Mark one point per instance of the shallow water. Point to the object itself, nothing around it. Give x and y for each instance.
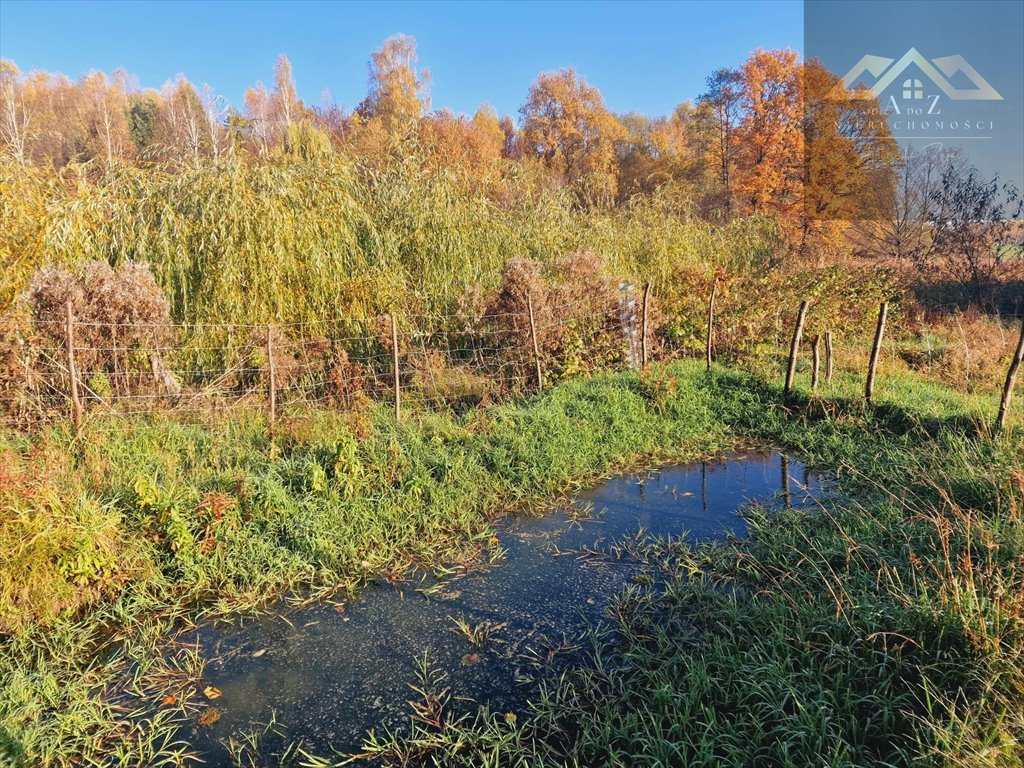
(329, 676)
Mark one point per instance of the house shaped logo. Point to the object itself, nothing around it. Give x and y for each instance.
(939, 71)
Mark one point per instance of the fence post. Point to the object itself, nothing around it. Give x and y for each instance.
(643, 327)
(1011, 375)
(76, 400)
(828, 356)
(533, 337)
(394, 354)
(869, 385)
(815, 360)
(271, 381)
(627, 321)
(711, 321)
(794, 346)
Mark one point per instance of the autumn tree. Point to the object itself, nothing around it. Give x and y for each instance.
(270, 113)
(60, 123)
(723, 98)
(455, 141)
(674, 149)
(567, 126)
(975, 223)
(768, 142)
(217, 111)
(636, 158)
(398, 89)
(183, 131)
(285, 105)
(849, 162)
(899, 229)
(15, 115)
(107, 103)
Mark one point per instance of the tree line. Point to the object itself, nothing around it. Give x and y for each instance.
(775, 138)
(765, 138)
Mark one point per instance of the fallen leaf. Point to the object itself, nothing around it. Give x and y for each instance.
(469, 659)
(170, 700)
(260, 652)
(208, 717)
(210, 692)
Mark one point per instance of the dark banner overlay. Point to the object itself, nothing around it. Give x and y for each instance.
(899, 79)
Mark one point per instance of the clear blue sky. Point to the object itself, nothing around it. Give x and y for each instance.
(646, 57)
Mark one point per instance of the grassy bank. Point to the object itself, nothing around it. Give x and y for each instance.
(153, 522)
(882, 629)
(886, 628)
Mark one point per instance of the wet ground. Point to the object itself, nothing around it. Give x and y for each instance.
(328, 675)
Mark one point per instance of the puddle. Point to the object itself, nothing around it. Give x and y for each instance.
(330, 677)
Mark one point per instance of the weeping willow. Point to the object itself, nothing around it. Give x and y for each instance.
(315, 238)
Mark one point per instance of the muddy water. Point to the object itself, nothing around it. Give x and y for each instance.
(329, 676)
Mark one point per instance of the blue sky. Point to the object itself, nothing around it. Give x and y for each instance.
(646, 57)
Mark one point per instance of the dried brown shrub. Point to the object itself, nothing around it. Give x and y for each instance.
(576, 309)
(968, 350)
(121, 317)
(121, 320)
(523, 284)
(347, 382)
(304, 368)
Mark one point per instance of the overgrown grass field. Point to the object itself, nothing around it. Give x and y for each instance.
(884, 629)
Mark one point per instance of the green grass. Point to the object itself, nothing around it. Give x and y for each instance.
(886, 628)
(855, 636)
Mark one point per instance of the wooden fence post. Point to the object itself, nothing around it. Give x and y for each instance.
(828, 356)
(394, 354)
(1011, 375)
(876, 347)
(643, 332)
(711, 321)
(533, 338)
(794, 346)
(815, 360)
(271, 381)
(76, 400)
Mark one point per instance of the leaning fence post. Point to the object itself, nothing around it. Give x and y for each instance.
(1011, 375)
(533, 337)
(711, 321)
(76, 400)
(869, 385)
(394, 355)
(828, 356)
(271, 381)
(643, 327)
(815, 360)
(794, 346)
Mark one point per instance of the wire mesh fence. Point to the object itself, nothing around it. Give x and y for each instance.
(79, 369)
